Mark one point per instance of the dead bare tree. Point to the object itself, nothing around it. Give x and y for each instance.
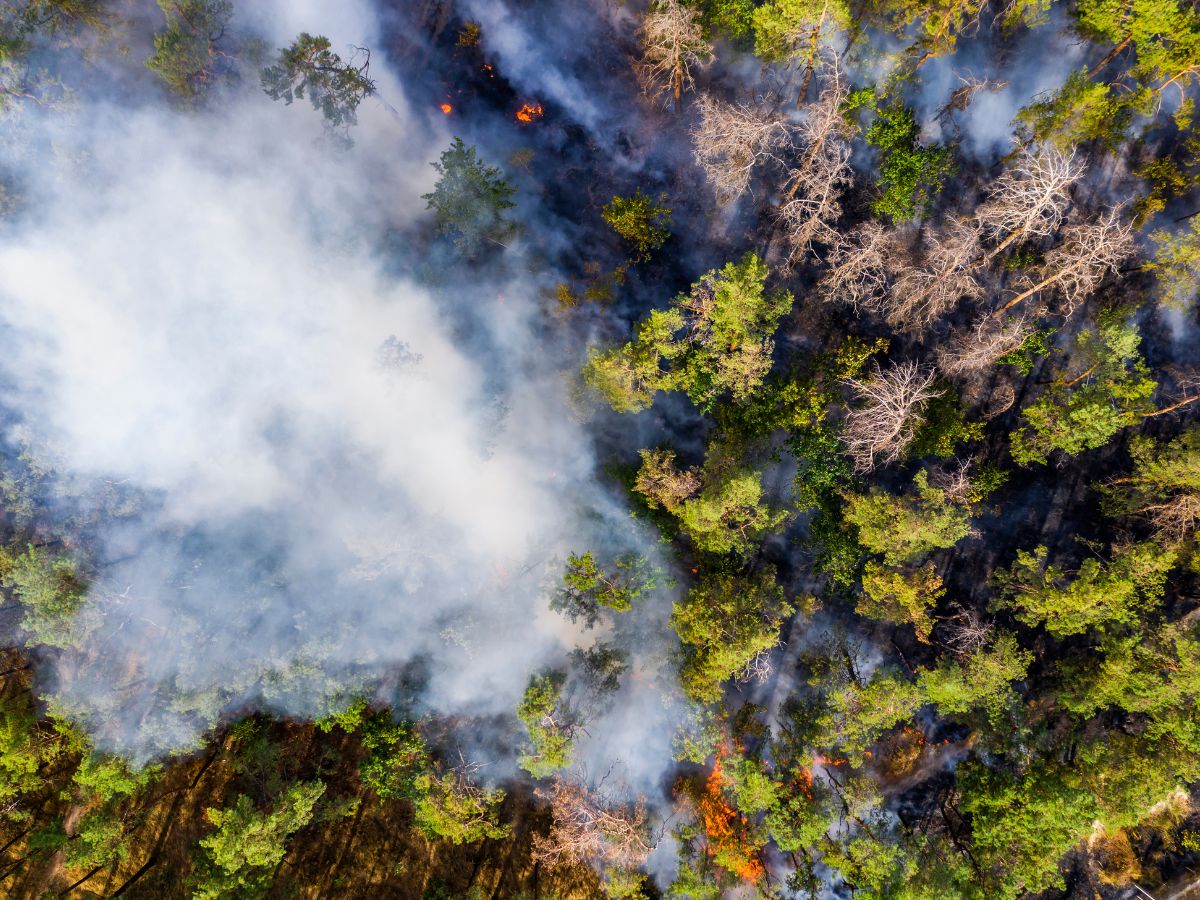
(973, 349)
(1001, 401)
(920, 295)
(1089, 252)
(812, 202)
(1030, 199)
(891, 408)
(859, 262)
(1175, 518)
(965, 630)
(731, 139)
(593, 826)
(672, 43)
(758, 668)
(960, 98)
(954, 480)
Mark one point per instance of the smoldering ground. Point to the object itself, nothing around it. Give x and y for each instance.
(329, 464)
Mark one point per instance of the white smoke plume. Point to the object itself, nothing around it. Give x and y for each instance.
(335, 468)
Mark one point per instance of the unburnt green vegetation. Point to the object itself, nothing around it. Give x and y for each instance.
(905, 426)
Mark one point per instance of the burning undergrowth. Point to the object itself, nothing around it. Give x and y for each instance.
(673, 385)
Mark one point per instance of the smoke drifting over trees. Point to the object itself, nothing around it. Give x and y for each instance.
(688, 448)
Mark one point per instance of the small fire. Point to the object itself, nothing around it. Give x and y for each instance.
(805, 782)
(447, 109)
(819, 760)
(725, 827)
(530, 112)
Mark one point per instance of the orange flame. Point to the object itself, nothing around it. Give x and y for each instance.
(805, 782)
(447, 109)
(724, 827)
(530, 112)
(819, 760)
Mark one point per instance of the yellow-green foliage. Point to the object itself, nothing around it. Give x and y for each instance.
(724, 622)
(1099, 595)
(901, 596)
(905, 528)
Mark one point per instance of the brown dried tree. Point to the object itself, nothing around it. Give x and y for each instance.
(964, 630)
(730, 140)
(812, 202)
(859, 263)
(1089, 252)
(920, 295)
(672, 43)
(595, 827)
(1030, 199)
(971, 350)
(891, 408)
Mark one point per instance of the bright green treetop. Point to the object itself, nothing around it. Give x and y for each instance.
(798, 30)
(720, 507)
(859, 714)
(1099, 595)
(901, 596)
(1164, 486)
(1176, 263)
(1021, 826)
(588, 587)
(642, 221)
(714, 342)
(551, 726)
(248, 842)
(905, 528)
(51, 592)
(449, 807)
(910, 174)
(981, 680)
(1084, 412)
(724, 622)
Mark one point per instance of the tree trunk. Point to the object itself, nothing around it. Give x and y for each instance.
(1045, 282)
(1004, 243)
(146, 867)
(1099, 67)
(1174, 406)
(81, 881)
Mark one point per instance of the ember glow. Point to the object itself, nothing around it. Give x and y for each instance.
(530, 112)
(447, 109)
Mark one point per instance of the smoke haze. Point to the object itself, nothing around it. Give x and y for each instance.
(331, 463)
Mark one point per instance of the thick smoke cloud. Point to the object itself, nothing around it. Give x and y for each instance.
(330, 468)
(1019, 71)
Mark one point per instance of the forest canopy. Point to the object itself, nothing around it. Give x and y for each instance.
(557, 448)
